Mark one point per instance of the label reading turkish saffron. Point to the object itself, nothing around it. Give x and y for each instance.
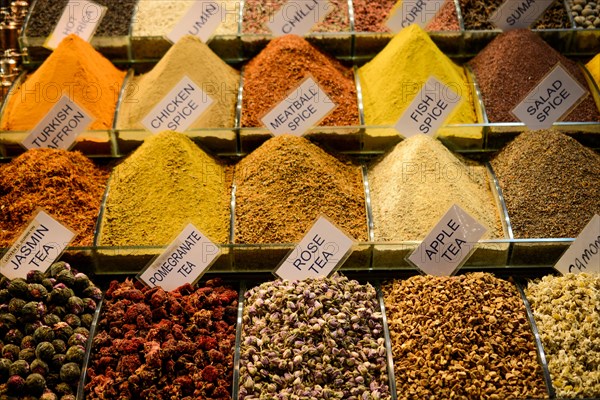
(519, 14)
(302, 109)
(201, 20)
(584, 253)
(60, 127)
(320, 251)
(179, 109)
(555, 95)
(39, 246)
(428, 111)
(449, 244)
(80, 17)
(410, 12)
(297, 17)
(185, 260)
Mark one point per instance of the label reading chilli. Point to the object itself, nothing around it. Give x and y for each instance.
(297, 17)
(80, 17)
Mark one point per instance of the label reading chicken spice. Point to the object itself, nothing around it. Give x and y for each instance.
(186, 259)
(519, 14)
(584, 254)
(449, 244)
(201, 20)
(320, 251)
(410, 12)
(80, 17)
(41, 243)
(297, 17)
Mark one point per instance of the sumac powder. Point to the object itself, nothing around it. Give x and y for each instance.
(477, 13)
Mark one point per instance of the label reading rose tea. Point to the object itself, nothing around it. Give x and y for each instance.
(297, 17)
(449, 244)
(80, 17)
(186, 259)
(320, 251)
(584, 254)
(519, 14)
(200, 20)
(39, 246)
(410, 12)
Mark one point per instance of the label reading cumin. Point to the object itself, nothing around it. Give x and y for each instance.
(419, 12)
(584, 253)
(80, 17)
(519, 14)
(201, 20)
(297, 17)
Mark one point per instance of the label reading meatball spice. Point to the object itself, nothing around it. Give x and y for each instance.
(449, 244)
(201, 20)
(519, 14)
(186, 259)
(410, 12)
(41, 243)
(179, 109)
(555, 95)
(297, 17)
(320, 251)
(584, 254)
(302, 109)
(80, 17)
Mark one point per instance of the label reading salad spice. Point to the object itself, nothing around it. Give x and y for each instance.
(555, 95)
(319, 252)
(186, 259)
(519, 14)
(428, 111)
(584, 254)
(179, 109)
(200, 20)
(80, 17)
(40, 245)
(302, 109)
(297, 17)
(410, 12)
(60, 127)
(449, 244)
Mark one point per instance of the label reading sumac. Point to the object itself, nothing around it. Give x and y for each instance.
(201, 20)
(419, 12)
(80, 17)
(519, 14)
(584, 254)
(297, 17)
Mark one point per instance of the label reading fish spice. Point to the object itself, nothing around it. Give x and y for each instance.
(519, 14)
(41, 243)
(449, 244)
(555, 95)
(410, 12)
(430, 108)
(185, 260)
(200, 20)
(297, 17)
(80, 17)
(584, 254)
(179, 109)
(60, 127)
(302, 109)
(320, 251)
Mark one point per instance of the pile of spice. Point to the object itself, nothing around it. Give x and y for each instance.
(476, 15)
(79, 71)
(45, 327)
(286, 184)
(165, 184)
(313, 339)
(550, 184)
(152, 344)
(461, 337)
(512, 64)
(282, 66)
(416, 182)
(65, 184)
(192, 58)
(586, 13)
(593, 66)
(567, 314)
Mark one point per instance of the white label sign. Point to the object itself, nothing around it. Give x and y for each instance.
(449, 243)
(60, 127)
(519, 14)
(297, 17)
(201, 20)
(80, 17)
(179, 109)
(184, 261)
(42, 242)
(302, 109)
(410, 12)
(428, 111)
(321, 250)
(584, 254)
(552, 98)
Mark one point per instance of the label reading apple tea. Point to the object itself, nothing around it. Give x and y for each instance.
(584, 254)
(410, 12)
(297, 17)
(519, 14)
(80, 17)
(201, 20)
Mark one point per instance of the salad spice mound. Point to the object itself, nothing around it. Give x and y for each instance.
(153, 344)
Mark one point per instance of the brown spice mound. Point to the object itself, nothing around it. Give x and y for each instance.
(477, 13)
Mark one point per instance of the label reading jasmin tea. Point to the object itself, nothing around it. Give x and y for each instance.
(519, 14)
(555, 95)
(428, 111)
(80, 17)
(584, 254)
(302, 109)
(201, 20)
(449, 244)
(321, 250)
(410, 12)
(179, 109)
(40, 245)
(184, 261)
(297, 17)
(60, 127)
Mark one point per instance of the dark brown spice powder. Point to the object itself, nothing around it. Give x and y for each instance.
(476, 15)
